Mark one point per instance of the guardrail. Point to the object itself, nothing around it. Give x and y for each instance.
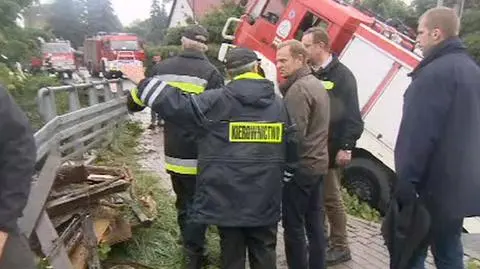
(65, 137)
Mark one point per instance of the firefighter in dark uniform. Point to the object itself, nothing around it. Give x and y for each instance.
(192, 73)
(246, 147)
(17, 162)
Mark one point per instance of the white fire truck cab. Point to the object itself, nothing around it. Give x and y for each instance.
(380, 58)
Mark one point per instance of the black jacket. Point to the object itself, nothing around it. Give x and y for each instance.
(17, 161)
(406, 232)
(246, 142)
(346, 124)
(193, 73)
(438, 144)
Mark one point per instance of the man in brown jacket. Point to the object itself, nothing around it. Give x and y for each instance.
(308, 103)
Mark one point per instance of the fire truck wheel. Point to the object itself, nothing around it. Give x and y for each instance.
(369, 181)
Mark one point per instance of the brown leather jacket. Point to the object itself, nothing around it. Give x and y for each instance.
(309, 106)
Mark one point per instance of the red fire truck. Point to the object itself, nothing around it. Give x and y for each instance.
(108, 53)
(381, 59)
(58, 57)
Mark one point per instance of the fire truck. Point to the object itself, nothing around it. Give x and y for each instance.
(58, 57)
(380, 58)
(108, 53)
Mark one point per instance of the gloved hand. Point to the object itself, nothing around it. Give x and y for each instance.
(405, 192)
(287, 176)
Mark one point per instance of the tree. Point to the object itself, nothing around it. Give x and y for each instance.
(9, 10)
(215, 20)
(158, 22)
(101, 17)
(66, 21)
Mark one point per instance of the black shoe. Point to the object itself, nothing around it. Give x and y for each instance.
(336, 256)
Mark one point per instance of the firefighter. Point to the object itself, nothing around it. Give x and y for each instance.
(346, 127)
(17, 161)
(246, 147)
(191, 72)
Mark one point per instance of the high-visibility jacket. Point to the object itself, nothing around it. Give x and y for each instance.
(246, 145)
(192, 73)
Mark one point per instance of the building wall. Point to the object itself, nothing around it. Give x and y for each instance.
(181, 11)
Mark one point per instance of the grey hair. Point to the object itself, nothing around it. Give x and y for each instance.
(242, 69)
(188, 43)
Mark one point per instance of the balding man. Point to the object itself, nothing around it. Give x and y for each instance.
(438, 147)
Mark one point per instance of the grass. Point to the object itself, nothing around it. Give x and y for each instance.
(155, 246)
(359, 209)
(473, 264)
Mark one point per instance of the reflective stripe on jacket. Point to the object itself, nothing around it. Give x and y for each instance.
(192, 73)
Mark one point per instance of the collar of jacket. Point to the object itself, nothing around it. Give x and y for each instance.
(190, 53)
(452, 45)
(248, 75)
(327, 68)
(302, 72)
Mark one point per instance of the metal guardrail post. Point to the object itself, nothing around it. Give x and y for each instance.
(73, 100)
(46, 104)
(74, 105)
(92, 96)
(107, 91)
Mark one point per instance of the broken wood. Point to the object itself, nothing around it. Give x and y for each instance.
(145, 220)
(86, 197)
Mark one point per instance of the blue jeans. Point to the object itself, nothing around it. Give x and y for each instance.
(446, 245)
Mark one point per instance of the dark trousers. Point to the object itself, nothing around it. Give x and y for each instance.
(445, 243)
(193, 234)
(303, 211)
(17, 254)
(260, 242)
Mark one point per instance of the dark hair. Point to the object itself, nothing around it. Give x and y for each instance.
(319, 35)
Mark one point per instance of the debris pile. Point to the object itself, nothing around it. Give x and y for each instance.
(90, 208)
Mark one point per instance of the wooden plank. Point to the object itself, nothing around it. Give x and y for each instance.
(47, 236)
(39, 194)
(85, 197)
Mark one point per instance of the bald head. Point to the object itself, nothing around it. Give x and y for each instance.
(435, 26)
(443, 18)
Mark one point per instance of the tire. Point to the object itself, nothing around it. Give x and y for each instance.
(369, 181)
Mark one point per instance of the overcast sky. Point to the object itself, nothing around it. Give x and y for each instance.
(129, 10)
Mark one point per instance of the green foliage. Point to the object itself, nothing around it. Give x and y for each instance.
(19, 45)
(473, 264)
(359, 209)
(173, 36)
(73, 19)
(101, 17)
(473, 43)
(9, 10)
(24, 91)
(67, 22)
(215, 19)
